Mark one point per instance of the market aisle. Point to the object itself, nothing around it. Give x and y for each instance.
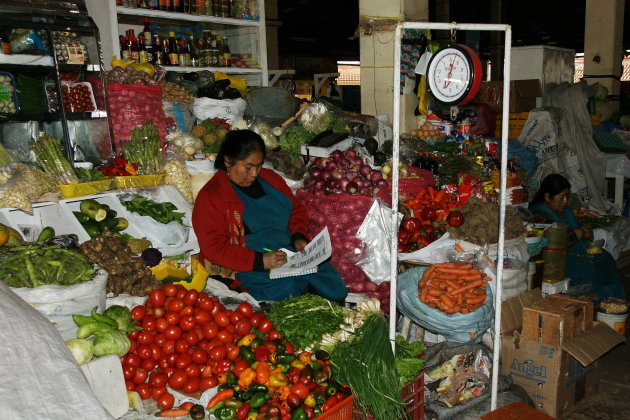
(612, 402)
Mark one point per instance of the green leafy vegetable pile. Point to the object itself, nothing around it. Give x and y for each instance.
(293, 137)
(162, 212)
(408, 364)
(597, 222)
(303, 320)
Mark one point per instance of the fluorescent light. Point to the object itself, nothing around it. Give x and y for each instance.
(349, 63)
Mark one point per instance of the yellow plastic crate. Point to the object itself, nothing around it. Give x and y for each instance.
(138, 181)
(85, 188)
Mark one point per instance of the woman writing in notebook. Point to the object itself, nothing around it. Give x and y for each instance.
(244, 211)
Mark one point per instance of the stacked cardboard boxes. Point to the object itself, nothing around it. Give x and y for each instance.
(550, 347)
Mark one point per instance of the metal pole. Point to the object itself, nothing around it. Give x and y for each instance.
(504, 150)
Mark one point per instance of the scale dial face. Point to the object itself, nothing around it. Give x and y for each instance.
(454, 75)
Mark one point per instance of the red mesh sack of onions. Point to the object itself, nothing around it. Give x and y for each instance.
(133, 105)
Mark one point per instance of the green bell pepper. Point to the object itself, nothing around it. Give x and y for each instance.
(258, 399)
(225, 413)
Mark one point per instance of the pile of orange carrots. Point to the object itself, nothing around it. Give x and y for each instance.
(453, 287)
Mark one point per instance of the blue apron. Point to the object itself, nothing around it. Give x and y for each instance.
(600, 270)
(267, 219)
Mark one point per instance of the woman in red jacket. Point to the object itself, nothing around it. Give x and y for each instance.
(245, 209)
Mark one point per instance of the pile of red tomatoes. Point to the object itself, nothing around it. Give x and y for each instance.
(189, 342)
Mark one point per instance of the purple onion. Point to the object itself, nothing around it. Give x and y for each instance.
(343, 183)
(343, 162)
(352, 187)
(338, 173)
(331, 165)
(376, 176)
(351, 154)
(320, 183)
(315, 171)
(326, 175)
(337, 191)
(381, 183)
(317, 191)
(365, 191)
(336, 155)
(332, 183)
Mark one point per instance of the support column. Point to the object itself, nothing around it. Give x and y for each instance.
(377, 26)
(272, 23)
(603, 47)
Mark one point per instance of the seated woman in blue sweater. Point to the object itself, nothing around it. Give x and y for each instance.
(600, 270)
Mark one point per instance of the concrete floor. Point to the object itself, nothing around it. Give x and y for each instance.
(613, 400)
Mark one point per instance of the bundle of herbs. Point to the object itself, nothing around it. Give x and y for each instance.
(144, 148)
(303, 320)
(366, 363)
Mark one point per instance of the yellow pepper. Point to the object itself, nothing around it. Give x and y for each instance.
(168, 268)
(246, 340)
(252, 415)
(297, 364)
(310, 400)
(247, 377)
(199, 273)
(305, 357)
(278, 379)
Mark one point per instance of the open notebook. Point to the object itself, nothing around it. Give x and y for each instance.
(300, 264)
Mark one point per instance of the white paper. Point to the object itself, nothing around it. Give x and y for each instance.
(316, 252)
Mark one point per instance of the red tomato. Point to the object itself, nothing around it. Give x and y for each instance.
(157, 391)
(172, 318)
(132, 359)
(129, 372)
(140, 376)
(239, 366)
(157, 297)
(209, 330)
(206, 304)
(187, 323)
(159, 312)
(162, 363)
(193, 370)
(208, 382)
(134, 334)
(187, 310)
(192, 385)
(145, 338)
(148, 364)
(218, 306)
(132, 345)
(166, 401)
(177, 380)
(170, 289)
(175, 305)
(168, 347)
(274, 335)
(232, 351)
(138, 312)
(144, 351)
(130, 385)
(170, 360)
(181, 346)
(222, 319)
(191, 297)
(265, 326)
(243, 327)
(158, 379)
(182, 361)
(257, 318)
(181, 292)
(235, 317)
(173, 332)
(149, 323)
(202, 315)
(191, 337)
(411, 224)
(160, 339)
(222, 366)
(245, 309)
(199, 356)
(161, 324)
(203, 295)
(225, 336)
(217, 352)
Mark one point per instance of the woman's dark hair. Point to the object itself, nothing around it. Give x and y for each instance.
(553, 184)
(238, 145)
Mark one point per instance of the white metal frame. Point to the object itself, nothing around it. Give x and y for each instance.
(507, 29)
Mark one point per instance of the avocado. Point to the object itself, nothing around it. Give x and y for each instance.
(93, 209)
(371, 145)
(108, 223)
(46, 233)
(111, 214)
(92, 228)
(121, 224)
(380, 158)
(81, 217)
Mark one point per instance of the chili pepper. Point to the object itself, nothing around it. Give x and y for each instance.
(330, 403)
(282, 392)
(258, 399)
(286, 416)
(299, 414)
(273, 413)
(271, 347)
(225, 413)
(257, 342)
(262, 372)
(293, 400)
(246, 340)
(220, 396)
(232, 402)
(242, 395)
(300, 390)
(246, 353)
(284, 358)
(197, 412)
(309, 412)
(305, 357)
(278, 379)
(230, 378)
(243, 412)
(247, 376)
(257, 387)
(309, 401)
(297, 364)
(216, 407)
(294, 374)
(321, 377)
(262, 353)
(281, 348)
(252, 415)
(318, 411)
(332, 388)
(288, 348)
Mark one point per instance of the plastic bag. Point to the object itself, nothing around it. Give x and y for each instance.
(316, 118)
(58, 303)
(376, 233)
(133, 105)
(461, 328)
(184, 144)
(176, 173)
(46, 382)
(181, 114)
(12, 193)
(229, 109)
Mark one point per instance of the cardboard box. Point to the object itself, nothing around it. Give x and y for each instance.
(515, 411)
(523, 94)
(556, 318)
(558, 376)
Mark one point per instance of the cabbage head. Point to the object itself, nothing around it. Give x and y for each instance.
(111, 342)
(122, 316)
(82, 349)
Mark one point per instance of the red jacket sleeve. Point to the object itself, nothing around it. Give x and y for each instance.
(298, 222)
(220, 232)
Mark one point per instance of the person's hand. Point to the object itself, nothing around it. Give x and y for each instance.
(274, 259)
(579, 233)
(300, 244)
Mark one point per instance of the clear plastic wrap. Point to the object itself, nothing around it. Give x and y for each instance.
(316, 118)
(8, 94)
(12, 193)
(184, 144)
(176, 173)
